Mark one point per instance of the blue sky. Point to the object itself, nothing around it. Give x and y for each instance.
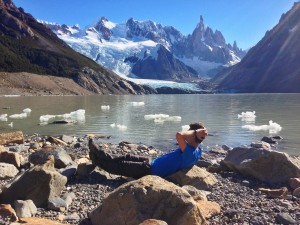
(243, 21)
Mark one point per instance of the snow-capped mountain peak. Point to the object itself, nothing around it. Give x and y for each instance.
(141, 48)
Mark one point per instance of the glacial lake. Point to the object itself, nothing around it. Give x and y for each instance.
(123, 117)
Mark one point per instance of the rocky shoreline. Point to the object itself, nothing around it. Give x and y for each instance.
(242, 199)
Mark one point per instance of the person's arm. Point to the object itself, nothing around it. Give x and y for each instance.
(188, 136)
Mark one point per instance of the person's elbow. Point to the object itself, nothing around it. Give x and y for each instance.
(178, 136)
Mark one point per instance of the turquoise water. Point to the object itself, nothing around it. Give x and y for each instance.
(219, 112)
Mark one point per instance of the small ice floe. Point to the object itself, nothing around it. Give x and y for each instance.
(22, 115)
(160, 118)
(3, 117)
(185, 127)
(273, 127)
(78, 116)
(247, 116)
(45, 118)
(119, 126)
(12, 95)
(11, 124)
(105, 107)
(18, 116)
(137, 103)
(27, 110)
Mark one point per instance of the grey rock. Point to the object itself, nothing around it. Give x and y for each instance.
(61, 157)
(19, 148)
(72, 217)
(77, 145)
(67, 139)
(101, 175)
(269, 140)
(153, 222)
(34, 145)
(195, 193)
(84, 169)
(266, 165)
(7, 171)
(57, 204)
(204, 163)
(68, 198)
(230, 213)
(218, 150)
(194, 176)
(226, 147)
(25, 209)
(285, 218)
(245, 183)
(261, 144)
(69, 171)
(38, 184)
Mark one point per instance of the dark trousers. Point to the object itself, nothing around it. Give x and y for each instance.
(125, 165)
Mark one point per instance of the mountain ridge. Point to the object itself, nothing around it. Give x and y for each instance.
(133, 38)
(272, 65)
(29, 46)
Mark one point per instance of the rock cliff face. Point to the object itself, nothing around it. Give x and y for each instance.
(28, 46)
(164, 67)
(273, 64)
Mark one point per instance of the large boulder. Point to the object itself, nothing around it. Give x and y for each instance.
(194, 176)
(38, 184)
(149, 197)
(266, 165)
(61, 158)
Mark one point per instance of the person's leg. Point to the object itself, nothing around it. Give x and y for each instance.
(97, 154)
(126, 168)
(119, 165)
(132, 158)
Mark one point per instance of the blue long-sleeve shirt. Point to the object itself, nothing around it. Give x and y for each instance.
(171, 162)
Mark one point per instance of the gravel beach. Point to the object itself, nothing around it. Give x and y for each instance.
(240, 201)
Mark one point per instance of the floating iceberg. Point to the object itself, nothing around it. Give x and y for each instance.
(160, 118)
(46, 118)
(22, 115)
(185, 127)
(119, 126)
(18, 116)
(78, 115)
(3, 117)
(247, 116)
(105, 107)
(273, 127)
(27, 110)
(137, 103)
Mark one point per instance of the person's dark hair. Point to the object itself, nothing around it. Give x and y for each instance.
(196, 126)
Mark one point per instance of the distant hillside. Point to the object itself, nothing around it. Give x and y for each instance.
(28, 46)
(273, 65)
